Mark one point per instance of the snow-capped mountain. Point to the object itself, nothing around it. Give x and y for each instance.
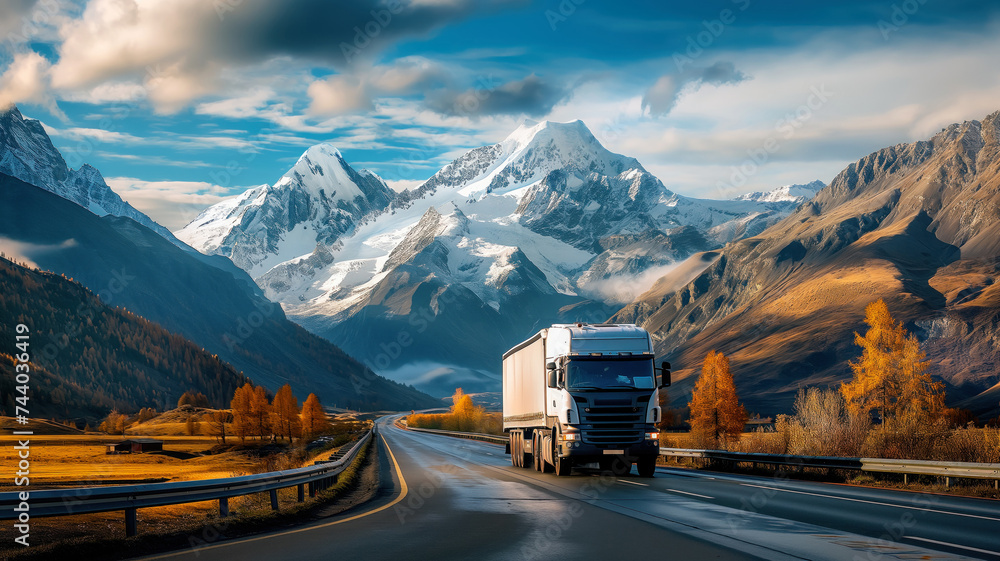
(27, 153)
(793, 194)
(315, 203)
(546, 225)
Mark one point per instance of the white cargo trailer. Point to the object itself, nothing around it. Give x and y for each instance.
(576, 394)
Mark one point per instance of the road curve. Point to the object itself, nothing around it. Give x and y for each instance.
(445, 498)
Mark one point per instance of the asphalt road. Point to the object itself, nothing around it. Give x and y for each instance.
(444, 498)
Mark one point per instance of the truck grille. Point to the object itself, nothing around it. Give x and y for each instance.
(613, 425)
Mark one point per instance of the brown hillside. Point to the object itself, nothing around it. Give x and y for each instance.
(916, 224)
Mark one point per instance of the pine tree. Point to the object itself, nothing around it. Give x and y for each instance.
(716, 413)
(890, 377)
(314, 419)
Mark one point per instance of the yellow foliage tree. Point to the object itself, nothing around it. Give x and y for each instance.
(468, 416)
(242, 411)
(260, 412)
(286, 413)
(716, 413)
(891, 375)
(314, 419)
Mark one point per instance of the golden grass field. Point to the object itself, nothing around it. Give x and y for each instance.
(80, 460)
(71, 459)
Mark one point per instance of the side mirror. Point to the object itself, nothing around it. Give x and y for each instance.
(550, 366)
(665, 374)
(552, 379)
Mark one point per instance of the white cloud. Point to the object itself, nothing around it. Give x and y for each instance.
(26, 81)
(249, 105)
(171, 203)
(338, 95)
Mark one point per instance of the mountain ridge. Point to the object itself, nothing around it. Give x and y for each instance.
(915, 223)
(546, 225)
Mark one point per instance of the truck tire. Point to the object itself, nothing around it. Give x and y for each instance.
(646, 466)
(536, 453)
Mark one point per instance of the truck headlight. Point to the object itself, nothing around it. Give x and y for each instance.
(571, 436)
(652, 436)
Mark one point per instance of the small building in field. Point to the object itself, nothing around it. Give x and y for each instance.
(136, 446)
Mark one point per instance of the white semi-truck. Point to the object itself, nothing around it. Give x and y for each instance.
(583, 394)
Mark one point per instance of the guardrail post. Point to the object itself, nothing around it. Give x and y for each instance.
(224, 507)
(274, 499)
(947, 481)
(302, 493)
(312, 489)
(130, 522)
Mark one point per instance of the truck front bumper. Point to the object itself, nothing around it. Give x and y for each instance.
(585, 452)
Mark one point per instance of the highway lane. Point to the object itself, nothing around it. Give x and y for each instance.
(444, 498)
(957, 524)
(459, 499)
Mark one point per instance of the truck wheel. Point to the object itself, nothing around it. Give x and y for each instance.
(646, 466)
(536, 453)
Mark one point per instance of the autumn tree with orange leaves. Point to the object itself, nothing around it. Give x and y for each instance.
(716, 413)
(242, 416)
(286, 413)
(890, 377)
(314, 419)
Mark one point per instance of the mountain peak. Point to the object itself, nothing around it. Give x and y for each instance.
(534, 132)
(322, 150)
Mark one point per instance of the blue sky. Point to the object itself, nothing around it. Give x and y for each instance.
(181, 103)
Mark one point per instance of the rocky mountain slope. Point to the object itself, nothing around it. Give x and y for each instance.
(27, 153)
(916, 224)
(315, 203)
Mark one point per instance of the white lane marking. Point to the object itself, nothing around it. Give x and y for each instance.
(976, 549)
(873, 502)
(692, 494)
(633, 482)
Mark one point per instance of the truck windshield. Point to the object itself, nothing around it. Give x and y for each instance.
(600, 373)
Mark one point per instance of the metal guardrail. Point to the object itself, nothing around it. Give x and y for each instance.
(129, 498)
(944, 469)
(491, 438)
(947, 470)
